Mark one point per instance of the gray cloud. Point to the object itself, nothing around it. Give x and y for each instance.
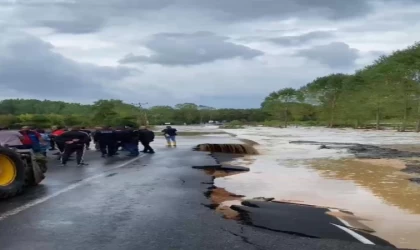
(301, 39)
(251, 9)
(79, 11)
(77, 26)
(190, 49)
(335, 54)
(28, 65)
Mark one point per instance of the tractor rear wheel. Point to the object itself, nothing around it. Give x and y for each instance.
(34, 173)
(12, 173)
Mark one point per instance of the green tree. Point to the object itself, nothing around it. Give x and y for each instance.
(188, 113)
(282, 100)
(326, 91)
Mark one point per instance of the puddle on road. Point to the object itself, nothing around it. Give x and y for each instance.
(381, 196)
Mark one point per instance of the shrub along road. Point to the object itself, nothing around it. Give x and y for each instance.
(153, 202)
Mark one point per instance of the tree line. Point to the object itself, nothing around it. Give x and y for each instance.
(385, 93)
(19, 112)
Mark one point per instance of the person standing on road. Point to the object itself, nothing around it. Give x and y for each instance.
(107, 140)
(31, 137)
(130, 140)
(57, 132)
(89, 133)
(44, 145)
(51, 136)
(74, 141)
(94, 140)
(170, 135)
(146, 136)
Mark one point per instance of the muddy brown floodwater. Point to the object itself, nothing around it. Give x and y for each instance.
(375, 190)
(387, 201)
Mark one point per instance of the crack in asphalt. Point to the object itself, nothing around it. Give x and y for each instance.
(244, 238)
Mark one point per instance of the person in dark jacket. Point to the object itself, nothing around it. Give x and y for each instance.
(57, 131)
(146, 136)
(107, 140)
(89, 133)
(130, 141)
(74, 141)
(121, 136)
(94, 138)
(170, 135)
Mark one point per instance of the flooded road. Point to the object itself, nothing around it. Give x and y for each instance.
(152, 202)
(378, 193)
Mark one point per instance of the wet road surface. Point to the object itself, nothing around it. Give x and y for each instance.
(153, 202)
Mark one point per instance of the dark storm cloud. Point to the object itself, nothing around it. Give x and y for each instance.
(191, 49)
(79, 11)
(335, 55)
(28, 65)
(301, 39)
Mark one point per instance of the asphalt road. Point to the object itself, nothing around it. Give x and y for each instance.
(152, 202)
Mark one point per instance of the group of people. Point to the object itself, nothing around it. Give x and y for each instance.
(26, 138)
(107, 140)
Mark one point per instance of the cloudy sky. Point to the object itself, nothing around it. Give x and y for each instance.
(220, 53)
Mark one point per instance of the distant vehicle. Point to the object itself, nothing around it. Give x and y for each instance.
(167, 123)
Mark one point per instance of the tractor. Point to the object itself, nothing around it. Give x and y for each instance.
(19, 169)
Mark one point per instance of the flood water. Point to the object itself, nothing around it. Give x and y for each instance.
(380, 195)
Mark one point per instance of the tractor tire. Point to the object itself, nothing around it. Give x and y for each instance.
(33, 175)
(42, 162)
(12, 173)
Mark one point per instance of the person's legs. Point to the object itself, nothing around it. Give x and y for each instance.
(103, 148)
(173, 139)
(168, 141)
(112, 148)
(80, 151)
(144, 147)
(136, 149)
(148, 148)
(132, 148)
(52, 143)
(68, 150)
(60, 147)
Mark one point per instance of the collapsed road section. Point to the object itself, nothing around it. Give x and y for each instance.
(296, 219)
